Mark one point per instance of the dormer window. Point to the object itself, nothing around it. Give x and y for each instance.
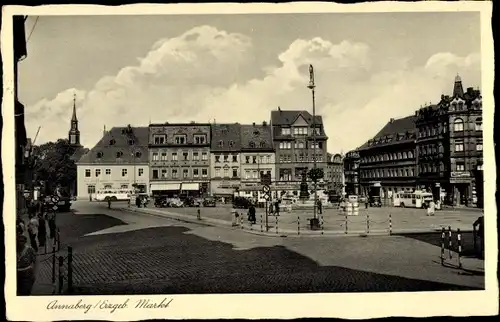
(99, 155)
(224, 131)
(221, 144)
(231, 144)
(131, 142)
(256, 132)
(138, 154)
(119, 154)
(252, 144)
(112, 142)
(262, 144)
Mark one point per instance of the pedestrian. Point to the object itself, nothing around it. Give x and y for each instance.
(251, 214)
(20, 226)
(42, 230)
(138, 201)
(277, 205)
(26, 266)
(51, 219)
(90, 197)
(271, 207)
(109, 203)
(33, 231)
(320, 207)
(431, 208)
(480, 233)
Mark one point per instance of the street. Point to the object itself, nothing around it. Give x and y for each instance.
(118, 252)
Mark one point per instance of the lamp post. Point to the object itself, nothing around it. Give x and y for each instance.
(312, 86)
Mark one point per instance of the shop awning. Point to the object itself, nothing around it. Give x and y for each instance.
(165, 186)
(190, 186)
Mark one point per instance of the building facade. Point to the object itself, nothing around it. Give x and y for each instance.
(257, 158)
(334, 175)
(179, 159)
(294, 145)
(225, 148)
(387, 161)
(118, 161)
(351, 173)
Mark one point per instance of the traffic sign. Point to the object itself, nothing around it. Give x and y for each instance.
(54, 208)
(55, 199)
(266, 189)
(265, 179)
(267, 196)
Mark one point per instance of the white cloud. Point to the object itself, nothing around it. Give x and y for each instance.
(198, 76)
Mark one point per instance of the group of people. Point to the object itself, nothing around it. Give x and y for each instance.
(27, 250)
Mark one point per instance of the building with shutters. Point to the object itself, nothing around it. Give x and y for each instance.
(293, 141)
(449, 147)
(225, 148)
(118, 161)
(179, 159)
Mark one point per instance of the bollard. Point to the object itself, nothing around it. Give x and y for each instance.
(298, 225)
(449, 242)
(198, 214)
(53, 264)
(61, 280)
(322, 225)
(459, 241)
(390, 224)
(367, 223)
(70, 269)
(276, 225)
(241, 221)
(58, 239)
(261, 224)
(442, 245)
(346, 224)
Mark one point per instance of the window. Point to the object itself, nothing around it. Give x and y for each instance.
(226, 158)
(247, 174)
(226, 172)
(285, 145)
(108, 172)
(247, 159)
(124, 186)
(261, 159)
(87, 173)
(124, 172)
(159, 139)
(285, 131)
(479, 146)
(459, 146)
(480, 167)
(138, 154)
(174, 156)
(318, 131)
(268, 159)
(204, 156)
(410, 154)
(163, 173)
(131, 142)
(196, 156)
(479, 124)
(217, 172)
(235, 172)
(300, 130)
(217, 158)
(140, 172)
(315, 145)
(252, 144)
(97, 172)
(255, 174)
(174, 173)
(185, 156)
(299, 145)
(200, 139)
(460, 167)
(204, 173)
(254, 159)
(231, 144)
(155, 156)
(262, 144)
(180, 139)
(458, 125)
(119, 154)
(164, 156)
(185, 173)
(196, 173)
(405, 155)
(235, 158)
(399, 155)
(99, 155)
(112, 142)
(155, 174)
(91, 189)
(221, 144)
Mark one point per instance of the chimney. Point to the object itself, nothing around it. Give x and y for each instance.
(391, 120)
(470, 90)
(264, 123)
(253, 123)
(279, 108)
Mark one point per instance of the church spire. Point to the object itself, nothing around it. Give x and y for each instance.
(74, 133)
(73, 118)
(458, 89)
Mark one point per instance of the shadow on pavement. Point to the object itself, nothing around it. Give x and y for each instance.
(165, 260)
(435, 239)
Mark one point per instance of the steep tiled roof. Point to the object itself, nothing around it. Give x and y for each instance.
(256, 137)
(79, 153)
(288, 117)
(131, 145)
(226, 137)
(395, 131)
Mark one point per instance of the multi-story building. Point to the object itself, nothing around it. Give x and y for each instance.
(179, 159)
(294, 145)
(257, 158)
(450, 146)
(334, 175)
(118, 161)
(351, 172)
(225, 159)
(387, 162)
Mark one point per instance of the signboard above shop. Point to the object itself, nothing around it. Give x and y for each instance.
(460, 174)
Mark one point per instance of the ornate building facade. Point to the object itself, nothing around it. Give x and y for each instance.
(179, 159)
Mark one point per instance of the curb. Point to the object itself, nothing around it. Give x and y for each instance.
(210, 222)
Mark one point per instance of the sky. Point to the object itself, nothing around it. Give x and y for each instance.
(369, 67)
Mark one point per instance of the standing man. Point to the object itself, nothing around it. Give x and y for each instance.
(33, 231)
(51, 218)
(277, 207)
(480, 233)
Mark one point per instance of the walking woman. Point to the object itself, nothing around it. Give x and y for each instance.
(26, 266)
(42, 229)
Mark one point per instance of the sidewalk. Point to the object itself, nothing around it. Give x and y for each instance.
(296, 225)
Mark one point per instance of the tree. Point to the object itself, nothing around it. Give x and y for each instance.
(316, 174)
(52, 163)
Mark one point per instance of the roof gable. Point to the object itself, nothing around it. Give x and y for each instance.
(300, 121)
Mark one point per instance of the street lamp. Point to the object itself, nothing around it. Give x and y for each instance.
(312, 86)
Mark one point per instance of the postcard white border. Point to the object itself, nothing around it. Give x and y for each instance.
(343, 305)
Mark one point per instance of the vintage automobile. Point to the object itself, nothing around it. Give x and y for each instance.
(375, 201)
(192, 202)
(209, 202)
(175, 203)
(242, 203)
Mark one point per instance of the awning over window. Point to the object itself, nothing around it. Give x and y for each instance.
(190, 186)
(165, 186)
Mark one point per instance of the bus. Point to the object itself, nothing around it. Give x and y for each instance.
(112, 194)
(417, 199)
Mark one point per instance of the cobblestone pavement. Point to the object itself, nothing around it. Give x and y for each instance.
(188, 258)
(371, 219)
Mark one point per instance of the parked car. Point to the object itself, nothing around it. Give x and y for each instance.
(375, 201)
(209, 202)
(161, 201)
(192, 202)
(242, 203)
(362, 199)
(175, 203)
